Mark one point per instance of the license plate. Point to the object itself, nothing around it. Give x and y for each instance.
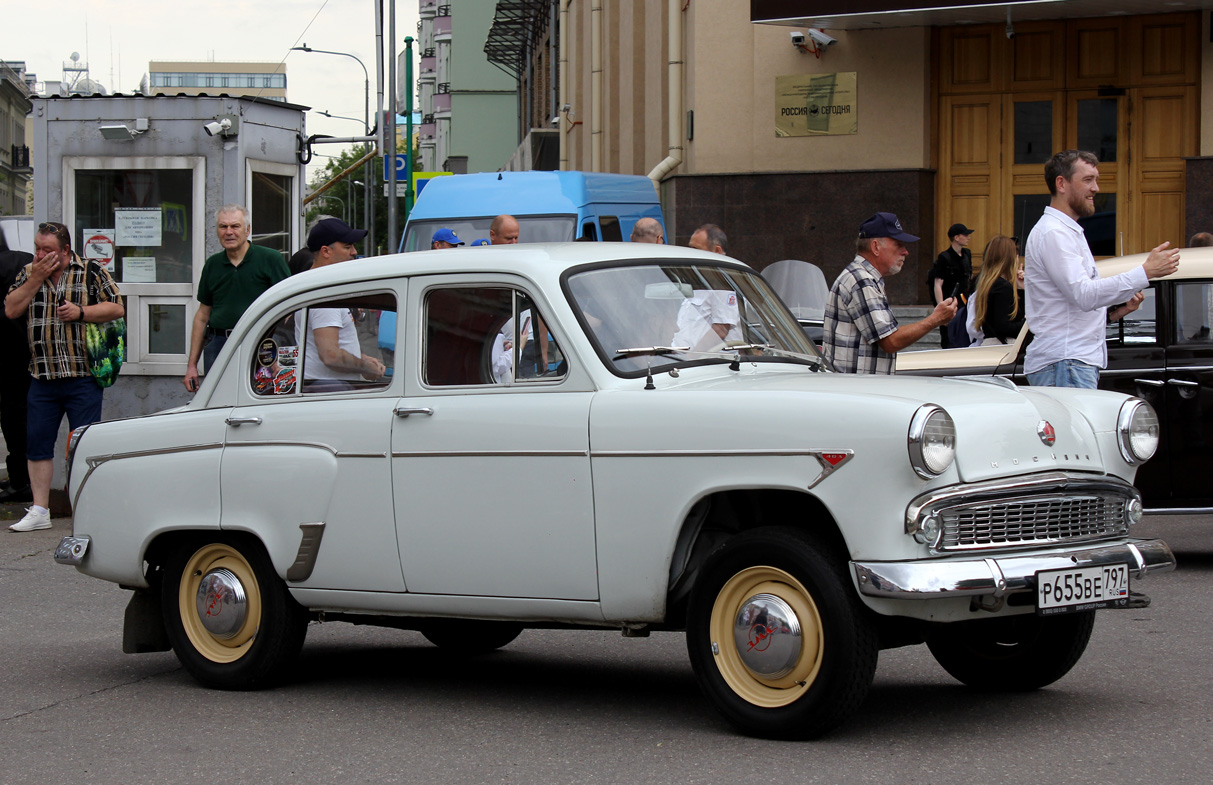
(1077, 589)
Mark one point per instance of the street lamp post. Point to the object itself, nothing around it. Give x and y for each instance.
(366, 112)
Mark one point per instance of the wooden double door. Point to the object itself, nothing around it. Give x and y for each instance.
(1123, 88)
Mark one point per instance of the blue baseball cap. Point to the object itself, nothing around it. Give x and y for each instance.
(885, 225)
(445, 235)
(479, 242)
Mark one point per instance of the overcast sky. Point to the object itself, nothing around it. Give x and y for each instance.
(117, 39)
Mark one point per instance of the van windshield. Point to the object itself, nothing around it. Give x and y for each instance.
(531, 229)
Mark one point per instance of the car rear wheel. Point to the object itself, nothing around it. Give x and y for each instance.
(1017, 653)
(777, 638)
(470, 637)
(229, 617)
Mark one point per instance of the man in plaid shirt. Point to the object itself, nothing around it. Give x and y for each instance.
(861, 333)
(53, 293)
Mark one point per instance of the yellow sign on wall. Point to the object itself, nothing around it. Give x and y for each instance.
(816, 104)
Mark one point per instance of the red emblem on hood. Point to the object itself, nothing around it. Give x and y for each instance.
(1046, 432)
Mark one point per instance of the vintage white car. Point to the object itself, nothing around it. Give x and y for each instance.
(608, 435)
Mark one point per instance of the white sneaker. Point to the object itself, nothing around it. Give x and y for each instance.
(33, 521)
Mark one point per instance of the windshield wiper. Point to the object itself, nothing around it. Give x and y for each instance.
(652, 351)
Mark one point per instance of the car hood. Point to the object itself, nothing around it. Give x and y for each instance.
(998, 425)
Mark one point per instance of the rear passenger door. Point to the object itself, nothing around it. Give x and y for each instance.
(1188, 417)
(490, 447)
(1137, 365)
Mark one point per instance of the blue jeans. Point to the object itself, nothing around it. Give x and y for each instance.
(79, 398)
(211, 350)
(1066, 373)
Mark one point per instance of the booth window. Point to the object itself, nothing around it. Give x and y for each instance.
(139, 218)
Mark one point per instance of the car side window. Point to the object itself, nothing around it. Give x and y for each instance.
(344, 344)
(1138, 328)
(487, 336)
(1193, 312)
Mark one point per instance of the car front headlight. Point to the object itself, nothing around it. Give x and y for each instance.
(932, 441)
(1138, 429)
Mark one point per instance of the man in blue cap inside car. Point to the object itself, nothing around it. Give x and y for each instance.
(445, 238)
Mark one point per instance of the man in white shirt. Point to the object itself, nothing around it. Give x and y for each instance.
(1066, 300)
(331, 347)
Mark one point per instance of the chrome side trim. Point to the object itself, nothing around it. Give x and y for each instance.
(493, 454)
(1178, 510)
(284, 443)
(940, 578)
(309, 549)
(94, 461)
(709, 453)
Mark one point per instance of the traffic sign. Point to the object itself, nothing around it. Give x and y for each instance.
(401, 166)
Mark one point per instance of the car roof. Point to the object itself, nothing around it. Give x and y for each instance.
(529, 260)
(1193, 263)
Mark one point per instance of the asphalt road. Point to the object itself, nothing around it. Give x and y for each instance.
(377, 705)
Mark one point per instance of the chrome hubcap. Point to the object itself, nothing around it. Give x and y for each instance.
(767, 633)
(221, 603)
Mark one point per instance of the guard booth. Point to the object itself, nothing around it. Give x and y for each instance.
(139, 179)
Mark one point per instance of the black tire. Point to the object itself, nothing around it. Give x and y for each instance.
(268, 635)
(1013, 654)
(470, 637)
(834, 657)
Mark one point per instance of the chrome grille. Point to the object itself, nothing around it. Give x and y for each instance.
(1031, 521)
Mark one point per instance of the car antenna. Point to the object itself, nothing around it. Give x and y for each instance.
(648, 382)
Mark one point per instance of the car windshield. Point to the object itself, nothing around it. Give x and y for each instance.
(653, 316)
(531, 229)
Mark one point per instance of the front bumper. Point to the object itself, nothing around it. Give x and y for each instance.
(998, 576)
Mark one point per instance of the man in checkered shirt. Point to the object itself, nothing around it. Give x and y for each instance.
(58, 295)
(861, 333)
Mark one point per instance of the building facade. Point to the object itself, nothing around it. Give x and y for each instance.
(207, 77)
(15, 168)
(941, 116)
(469, 108)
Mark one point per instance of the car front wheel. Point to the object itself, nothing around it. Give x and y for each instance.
(1016, 653)
(778, 641)
(230, 618)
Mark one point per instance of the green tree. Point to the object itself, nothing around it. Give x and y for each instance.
(348, 201)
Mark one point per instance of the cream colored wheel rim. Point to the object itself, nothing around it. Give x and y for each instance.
(205, 560)
(733, 596)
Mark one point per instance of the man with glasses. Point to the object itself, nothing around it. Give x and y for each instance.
(231, 280)
(58, 294)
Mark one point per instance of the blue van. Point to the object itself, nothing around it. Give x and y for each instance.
(549, 206)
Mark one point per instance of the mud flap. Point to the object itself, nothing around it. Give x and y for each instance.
(143, 625)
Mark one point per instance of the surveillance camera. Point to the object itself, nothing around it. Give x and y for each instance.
(556, 120)
(797, 38)
(221, 125)
(820, 38)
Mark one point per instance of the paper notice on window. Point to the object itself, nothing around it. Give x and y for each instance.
(139, 269)
(138, 226)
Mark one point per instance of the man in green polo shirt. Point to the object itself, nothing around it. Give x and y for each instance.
(231, 280)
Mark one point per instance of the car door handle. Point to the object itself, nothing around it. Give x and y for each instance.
(405, 411)
(238, 421)
(1182, 383)
(1150, 382)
